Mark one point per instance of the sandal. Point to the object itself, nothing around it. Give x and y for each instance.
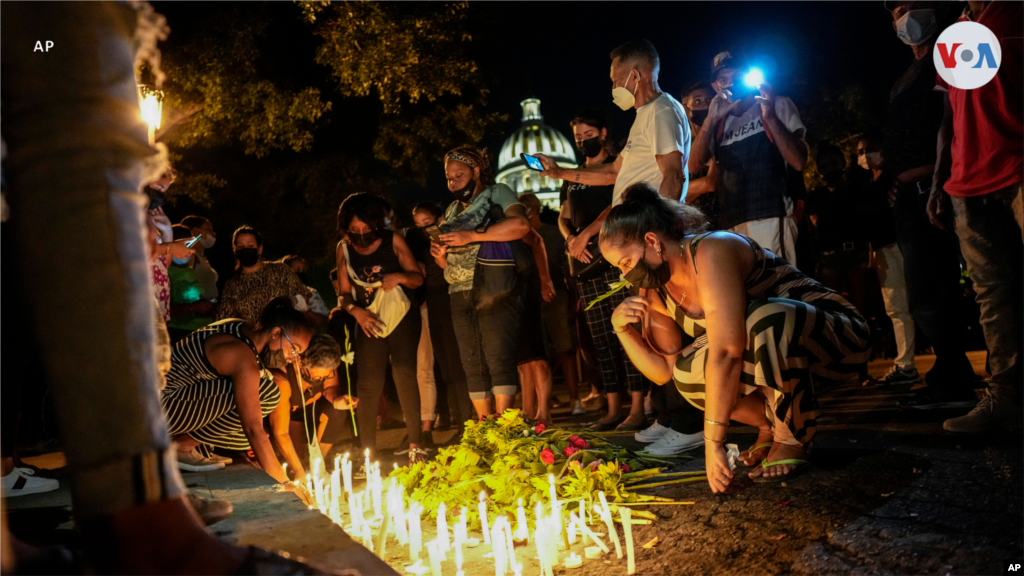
(605, 426)
(417, 455)
(800, 466)
(750, 452)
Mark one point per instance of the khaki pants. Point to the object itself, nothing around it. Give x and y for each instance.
(889, 265)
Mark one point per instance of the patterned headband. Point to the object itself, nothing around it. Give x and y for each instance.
(456, 155)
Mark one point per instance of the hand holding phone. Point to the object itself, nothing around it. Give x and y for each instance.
(192, 242)
(435, 234)
(532, 162)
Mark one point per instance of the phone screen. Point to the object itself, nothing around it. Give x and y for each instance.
(533, 162)
(192, 242)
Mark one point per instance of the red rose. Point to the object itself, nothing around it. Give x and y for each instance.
(580, 443)
(573, 438)
(539, 428)
(570, 450)
(547, 456)
(624, 467)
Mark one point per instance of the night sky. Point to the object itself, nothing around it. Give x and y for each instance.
(558, 52)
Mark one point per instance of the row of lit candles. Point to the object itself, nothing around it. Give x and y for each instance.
(550, 532)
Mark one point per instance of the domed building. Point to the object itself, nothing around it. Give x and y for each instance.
(532, 137)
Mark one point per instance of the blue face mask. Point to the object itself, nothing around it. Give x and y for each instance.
(180, 261)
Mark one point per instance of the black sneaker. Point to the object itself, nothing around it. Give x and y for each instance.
(932, 399)
(895, 377)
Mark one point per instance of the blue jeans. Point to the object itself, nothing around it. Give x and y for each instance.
(932, 269)
(488, 342)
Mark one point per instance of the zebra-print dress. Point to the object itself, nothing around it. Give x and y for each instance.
(800, 335)
(200, 402)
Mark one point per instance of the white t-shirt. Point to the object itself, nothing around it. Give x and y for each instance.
(660, 128)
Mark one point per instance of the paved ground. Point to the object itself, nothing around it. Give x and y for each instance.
(890, 493)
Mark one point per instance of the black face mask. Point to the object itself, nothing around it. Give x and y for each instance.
(699, 116)
(644, 275)
(273, 358)
(362, 240)
(156, 198)
(464, 194)
(591, 147)
(247, 256)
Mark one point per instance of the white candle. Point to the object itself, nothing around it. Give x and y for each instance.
(597, 540)
(460, 539)
(522, 531)
(552, 543)
(573, 519)
(367, 537)
(382, 536)
(606, 515)
(553, 494)
(398, 516)
(433, 548)
(573, 561)
(483, 518)
(346, 471)
(377, 486)
(498, 548)
(627, 527)
(583, 513)
(512, 562)
(335, 511)
(366, 464)
(464, 524)
(415, 536)
(442, 528)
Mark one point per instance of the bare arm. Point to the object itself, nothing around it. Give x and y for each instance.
(565, 220)
(939, 207)
(280, 419)
(654, 366)
(410, 277)
(673, 181)
(793, 149)
(514, 226)
(234, 359)
(540, 256)
(599, 175)
(703, 185)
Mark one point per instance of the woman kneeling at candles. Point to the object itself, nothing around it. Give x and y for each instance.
(220, 388)
(762, 335)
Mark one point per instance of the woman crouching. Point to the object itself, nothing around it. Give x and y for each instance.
(762, 336)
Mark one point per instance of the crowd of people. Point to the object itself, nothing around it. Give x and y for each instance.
(691, 280)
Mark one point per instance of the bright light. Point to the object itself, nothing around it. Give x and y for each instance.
(151, 108)
(753, 77)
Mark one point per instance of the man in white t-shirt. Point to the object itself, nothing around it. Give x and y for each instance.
(659, 141)
(757, 141)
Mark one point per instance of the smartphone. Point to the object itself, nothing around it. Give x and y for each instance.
(435, 235)
(533, 162)
(192, 242)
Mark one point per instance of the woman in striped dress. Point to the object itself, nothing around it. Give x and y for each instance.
(219, 388)
(763, 334)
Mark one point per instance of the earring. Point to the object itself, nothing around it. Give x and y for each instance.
(658, 250)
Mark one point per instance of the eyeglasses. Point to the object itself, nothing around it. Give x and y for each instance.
(295, 349)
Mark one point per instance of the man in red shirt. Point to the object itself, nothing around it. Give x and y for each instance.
(978, 180)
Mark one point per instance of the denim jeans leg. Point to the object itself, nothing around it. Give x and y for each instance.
(990, 231)
(478, 379)
(499, 337)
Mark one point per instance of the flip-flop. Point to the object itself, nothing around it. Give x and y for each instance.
(631, 427)
(801, 465)
(750, 451)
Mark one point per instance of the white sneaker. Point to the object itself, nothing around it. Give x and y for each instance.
(218, 458)
(196, 462)
(652, 433)
(22, 481)
(672, 443)
(577, 408)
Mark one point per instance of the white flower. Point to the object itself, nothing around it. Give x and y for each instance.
(348, 358)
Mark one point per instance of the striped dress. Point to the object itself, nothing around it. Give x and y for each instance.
(200, 402)
(800, 336)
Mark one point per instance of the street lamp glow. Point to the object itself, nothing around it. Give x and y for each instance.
(753, 77)
(151, 108)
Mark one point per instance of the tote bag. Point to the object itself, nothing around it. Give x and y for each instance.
(389, 305)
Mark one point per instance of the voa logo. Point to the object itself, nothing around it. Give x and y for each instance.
(967, 55)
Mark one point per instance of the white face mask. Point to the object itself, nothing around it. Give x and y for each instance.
(916, 26)
(870, 161)
(207, 241)
(622, 97)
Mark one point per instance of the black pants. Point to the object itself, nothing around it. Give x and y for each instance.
(932, 268)
(338, 421)
(446, 353)
(674, 411)
(372, 356)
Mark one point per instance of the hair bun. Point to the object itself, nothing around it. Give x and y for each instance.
(640, 193)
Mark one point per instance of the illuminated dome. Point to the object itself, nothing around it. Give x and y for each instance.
(532, 137)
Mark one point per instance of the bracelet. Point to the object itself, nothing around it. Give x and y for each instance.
(716, 423)
(706, 439)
